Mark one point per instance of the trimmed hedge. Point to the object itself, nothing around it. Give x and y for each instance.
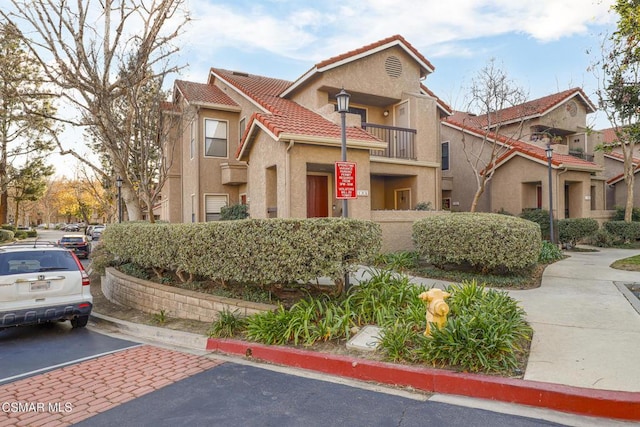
(540, 217)
(6, 235)
(625, 231)
(572, 230)
(485, 241)
(250, 251)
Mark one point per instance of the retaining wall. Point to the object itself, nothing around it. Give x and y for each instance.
(153, 297)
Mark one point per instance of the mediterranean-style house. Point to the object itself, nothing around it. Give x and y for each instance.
(614, 171)
(272, 144)
(521, 135)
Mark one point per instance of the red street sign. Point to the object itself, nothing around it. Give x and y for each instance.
(345, 180)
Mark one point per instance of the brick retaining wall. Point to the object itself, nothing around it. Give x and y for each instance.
(153, 297)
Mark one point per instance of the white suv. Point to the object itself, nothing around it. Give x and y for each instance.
(41, 282)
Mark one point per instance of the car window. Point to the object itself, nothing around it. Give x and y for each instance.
(36, 261)
(72, 240)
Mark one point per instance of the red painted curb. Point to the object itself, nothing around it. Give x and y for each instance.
(583, 401)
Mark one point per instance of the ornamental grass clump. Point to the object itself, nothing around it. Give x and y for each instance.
(486, 331)
(485, 242)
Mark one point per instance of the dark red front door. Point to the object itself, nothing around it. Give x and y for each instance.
(317, 196)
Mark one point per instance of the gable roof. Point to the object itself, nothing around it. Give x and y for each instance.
(283, 118)
(353, 55)
(441, 104)
(204, 94)
(517, 147)
(535, 108)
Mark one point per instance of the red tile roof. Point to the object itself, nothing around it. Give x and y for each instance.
(283, 115)
(443, 105)
(609, 135)
(201, 93)
(535, 108)
(515, 146)
(393, 40)
(335, 61)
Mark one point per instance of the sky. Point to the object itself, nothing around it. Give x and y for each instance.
(542, 45)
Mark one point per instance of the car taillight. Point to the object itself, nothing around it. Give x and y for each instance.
(85, 279)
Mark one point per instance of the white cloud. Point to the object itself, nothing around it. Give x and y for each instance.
(312, 31)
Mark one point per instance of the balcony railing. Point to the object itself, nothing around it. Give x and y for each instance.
(581, 155)
(400, 141)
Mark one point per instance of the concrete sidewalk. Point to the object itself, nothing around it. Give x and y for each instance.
(586, 331)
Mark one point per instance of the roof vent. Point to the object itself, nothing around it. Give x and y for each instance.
(393, 66)
(240, 73)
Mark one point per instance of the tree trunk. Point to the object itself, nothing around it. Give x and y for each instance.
(476, 197)
(131, 203)
(628, 210)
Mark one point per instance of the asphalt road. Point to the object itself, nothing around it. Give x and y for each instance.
(31, 350)
(240, 395)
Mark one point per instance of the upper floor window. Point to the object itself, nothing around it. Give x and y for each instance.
(243, 125)
(215, 138)
(445, 156)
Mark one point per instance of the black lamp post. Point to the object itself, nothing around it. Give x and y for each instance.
(119, 185)
(549, 152)
(343, 108)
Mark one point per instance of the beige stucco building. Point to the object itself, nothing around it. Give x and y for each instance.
(520, 136)
(272, 144)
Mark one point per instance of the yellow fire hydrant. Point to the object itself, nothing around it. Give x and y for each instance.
(437, 308)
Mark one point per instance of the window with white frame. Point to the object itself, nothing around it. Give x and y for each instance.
(215, 138)
(213, 205)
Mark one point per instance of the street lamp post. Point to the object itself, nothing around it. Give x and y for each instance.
(549, 152)
(343, 108)
(119, 185)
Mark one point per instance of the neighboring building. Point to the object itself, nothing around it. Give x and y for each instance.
(520, 180)
(614, 171)
(272, 143)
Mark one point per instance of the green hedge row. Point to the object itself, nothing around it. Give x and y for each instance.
(624, 231)
(572, 230)
(485, 241)
(254, 251)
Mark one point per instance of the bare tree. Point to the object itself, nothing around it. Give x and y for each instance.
(619, 89)
(102, 55)
(492, 93)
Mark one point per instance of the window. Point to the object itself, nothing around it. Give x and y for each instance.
(213, 205)
(243, 124)
(446, 204)
(215, 138)
(445, 156)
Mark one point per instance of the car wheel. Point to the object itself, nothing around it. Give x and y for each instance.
(79, 321)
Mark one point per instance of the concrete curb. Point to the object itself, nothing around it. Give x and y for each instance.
(620, 405)
(162, 335)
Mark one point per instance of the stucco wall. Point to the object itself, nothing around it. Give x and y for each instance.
(152, 297)
(397, 227)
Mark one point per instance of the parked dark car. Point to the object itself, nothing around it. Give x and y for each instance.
(71, 227)
(78, 243)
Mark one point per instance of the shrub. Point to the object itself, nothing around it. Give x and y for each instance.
(486, 331)
(625, 231)
(603, 239)
(540, 217)
(485, 241)
(549, 253)
(572, 230)
(20, 234)
(250, 251)
(398, 261)
(232, 212)
(424, 206)
(619, 215)
(6, 235)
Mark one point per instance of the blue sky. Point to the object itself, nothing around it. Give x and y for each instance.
(541, 44)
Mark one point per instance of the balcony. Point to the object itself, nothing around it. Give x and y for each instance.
(233, 174)
(400, 141)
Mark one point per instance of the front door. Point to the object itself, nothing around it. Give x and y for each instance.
(317, 196)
